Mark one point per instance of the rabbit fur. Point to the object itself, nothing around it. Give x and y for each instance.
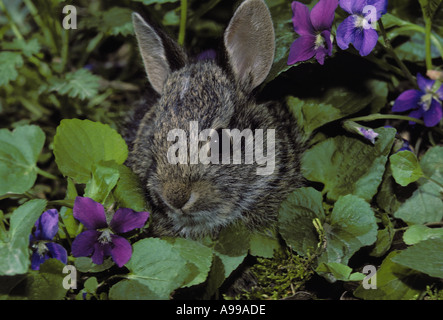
(196, 200)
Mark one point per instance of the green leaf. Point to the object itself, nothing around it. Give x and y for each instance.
(9, 63)
(129, 192)
(115, 21)
(71, 224)
(104, 179)
(45, 284)
(80, 84)
(81, 144)
(196, 254)
(425, 256)
(424, 206)
(352, 226)
(384, 237)
(85, 265)
(432, 161)
(335, 103)
(15, 252)
(156, 265)
(233, 240)
(91, 284)
(349, 165)
(284, 37)
(405, 168)
(394, 282)
(295, 220)
(339, 272)
(19, 151)
(429, 7)
(418, 232)
(132, 290)
(28, 48)
(263, 244)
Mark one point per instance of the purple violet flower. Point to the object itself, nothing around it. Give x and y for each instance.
(209, 54)
(46, 227)
(100, 239)
(314, 29)
(359, 27)
(425, 103)
(405, 146)
(368, 134)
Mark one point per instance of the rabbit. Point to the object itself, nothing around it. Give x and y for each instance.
(194, 200)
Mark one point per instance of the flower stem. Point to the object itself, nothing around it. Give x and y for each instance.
(46, 174)
(391, 51)
(428, 25)
(63, 203)
(379, 116)
(183, 16)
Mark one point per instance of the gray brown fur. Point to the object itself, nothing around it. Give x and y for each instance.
(194, 200)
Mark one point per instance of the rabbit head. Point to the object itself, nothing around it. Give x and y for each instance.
(193, 198)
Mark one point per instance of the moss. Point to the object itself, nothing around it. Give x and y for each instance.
(280, 277)
(434, 293)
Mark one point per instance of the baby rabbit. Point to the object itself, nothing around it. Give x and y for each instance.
(195, 199)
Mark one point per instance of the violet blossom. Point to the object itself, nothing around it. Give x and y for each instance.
(100, 239)
(425, 103)
(43, 248)
(314, 28)
(369, 134)
(359, 27)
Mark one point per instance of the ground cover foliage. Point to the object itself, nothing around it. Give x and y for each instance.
(374, 179)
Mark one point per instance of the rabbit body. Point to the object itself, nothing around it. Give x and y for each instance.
(198, 199)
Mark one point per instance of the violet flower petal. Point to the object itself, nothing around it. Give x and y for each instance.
(433, 116)
(323, 13)
(100, 251)
(83, 244)
(126, 219)
(37, 260)
(57, 251)
(346, 32)
(407, 100)
(302, 49)
(439, 93)
(121, 251)
(326, 34)
(47, 225)
(301, 19)
(353, 6)
(365, 41)
(90, 213)
(424, 84)
(380, 5)
(416, 114)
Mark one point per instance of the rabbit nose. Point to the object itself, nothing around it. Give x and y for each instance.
(176, 194)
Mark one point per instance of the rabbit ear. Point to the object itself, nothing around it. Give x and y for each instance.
(250, 43)
(160, 54)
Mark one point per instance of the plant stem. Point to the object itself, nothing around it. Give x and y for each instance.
(46, 174)
(379, 116)
(391, 51)
(65, 230)
(183, 16)
(428, 25)
(14, 28)
(63, 203)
